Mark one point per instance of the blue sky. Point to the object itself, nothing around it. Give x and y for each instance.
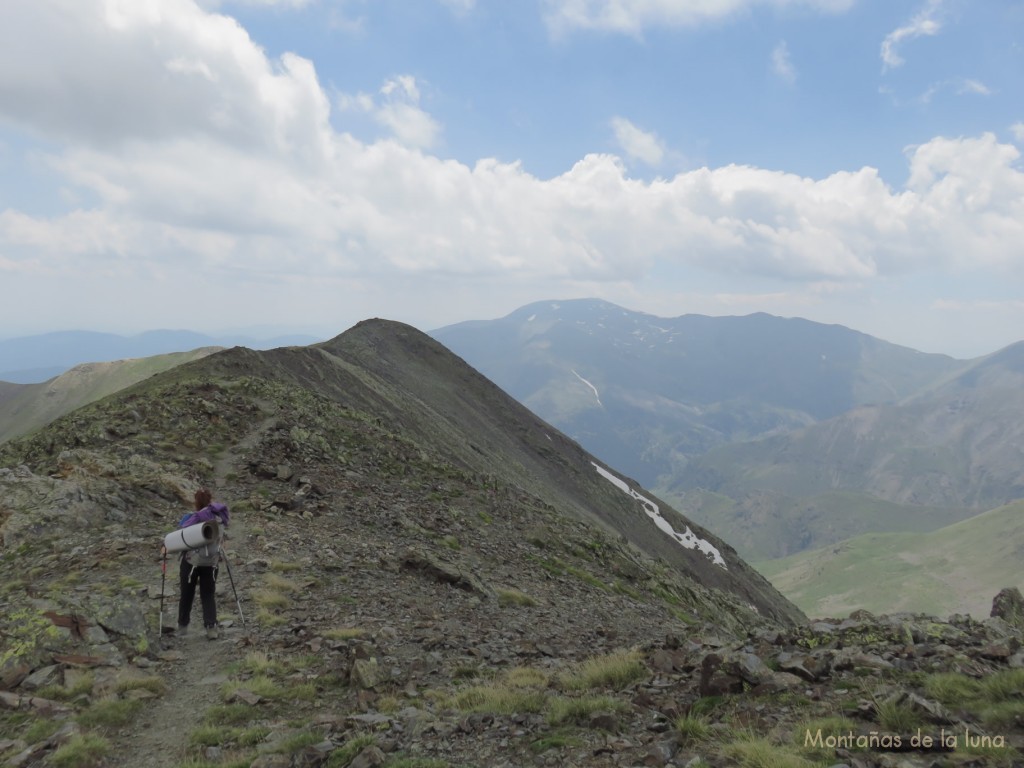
(304, 164)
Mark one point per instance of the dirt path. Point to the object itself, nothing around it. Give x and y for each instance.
(193, 668)
(193, 685)
(228, 461)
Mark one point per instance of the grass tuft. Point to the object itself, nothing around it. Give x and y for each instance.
(268, 598)
(756, 752)
(693, 728)
(951, 688)
(896, 717)
(499, 699)
(82, 750)
(266, 618)
(344, 633)
(280, 583)
(514, 597)
(1003, 686)
(153, 684)
(230, 714)
(346, 753)
(108, 713)
(562, 709)
(616, 671)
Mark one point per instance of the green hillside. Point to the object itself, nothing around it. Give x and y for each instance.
(956, 569)
(27, 407)
(765, 525)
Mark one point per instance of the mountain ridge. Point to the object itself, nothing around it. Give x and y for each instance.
(417, 594)
(38, 358)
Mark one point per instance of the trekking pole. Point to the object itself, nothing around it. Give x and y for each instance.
(232, 580)
(163, 578)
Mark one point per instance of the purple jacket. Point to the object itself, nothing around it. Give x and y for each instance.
(214, 511)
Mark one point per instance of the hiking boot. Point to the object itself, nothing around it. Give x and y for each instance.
(212, 633)
(182, 630)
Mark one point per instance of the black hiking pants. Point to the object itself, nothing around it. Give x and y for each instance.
(206, 577)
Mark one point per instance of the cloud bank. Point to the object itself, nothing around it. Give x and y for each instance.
(195, 150)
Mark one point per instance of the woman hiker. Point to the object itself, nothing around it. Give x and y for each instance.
(199, 566)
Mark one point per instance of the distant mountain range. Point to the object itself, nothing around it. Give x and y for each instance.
(33, 359)
(779, 434)
(649, 393)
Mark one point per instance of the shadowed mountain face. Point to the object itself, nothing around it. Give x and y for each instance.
(944, 454)
(647, 393)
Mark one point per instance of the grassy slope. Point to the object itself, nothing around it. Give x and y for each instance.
(766, 526)
(956, 569)
(34, 405)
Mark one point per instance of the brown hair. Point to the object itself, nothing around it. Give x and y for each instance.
(203, 498)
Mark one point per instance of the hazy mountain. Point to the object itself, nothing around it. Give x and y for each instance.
(647, 393)
(948, 452)
(33, 359)
(25, 407)
(951, 570)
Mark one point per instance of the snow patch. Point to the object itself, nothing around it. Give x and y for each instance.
(596, 394)
(531, 318)
(689, 539)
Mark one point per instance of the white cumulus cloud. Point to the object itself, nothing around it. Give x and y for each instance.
(397, 108)
(637, 143)
(218, 159)
(924, 23)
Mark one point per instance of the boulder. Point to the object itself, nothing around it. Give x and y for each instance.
(1008, 605)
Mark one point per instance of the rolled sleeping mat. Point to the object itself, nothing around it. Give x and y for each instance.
(193, 537)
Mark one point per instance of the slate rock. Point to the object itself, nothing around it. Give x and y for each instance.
(365, 673)
(1008, 605)
(371, 757)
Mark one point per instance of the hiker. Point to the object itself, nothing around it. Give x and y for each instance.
(199, 566)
